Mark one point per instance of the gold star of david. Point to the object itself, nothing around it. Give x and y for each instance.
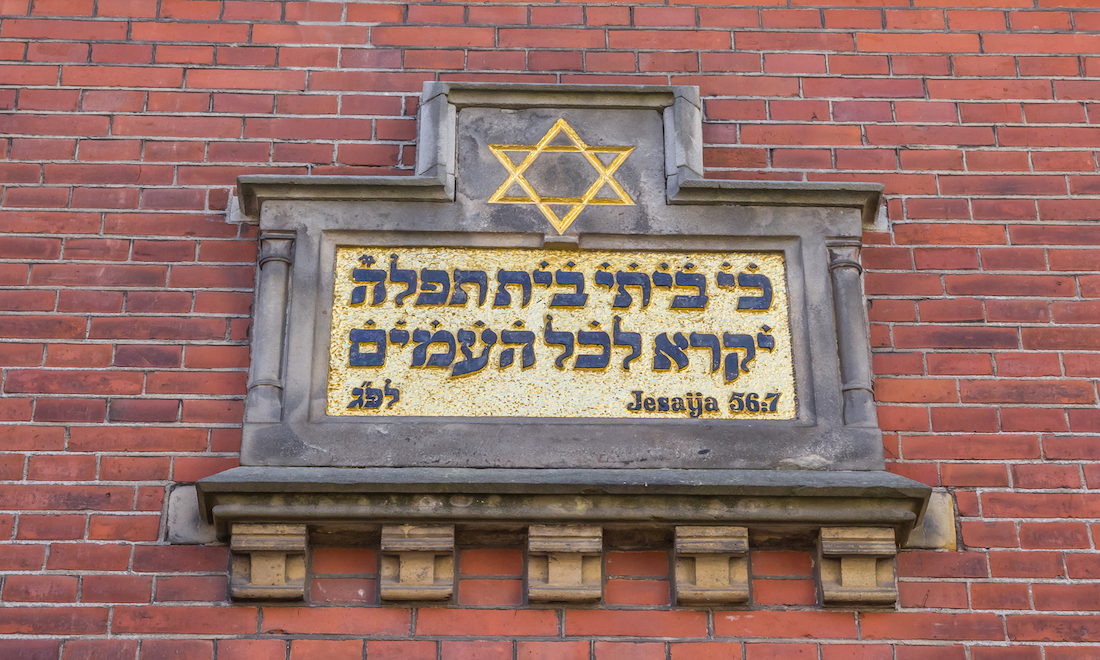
(515, 175)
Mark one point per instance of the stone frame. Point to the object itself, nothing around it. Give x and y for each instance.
(816, 226)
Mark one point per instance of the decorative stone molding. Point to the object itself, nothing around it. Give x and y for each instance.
(712, 565)
(417, 562)
(269, 561)
(856, 566)
(564, 563)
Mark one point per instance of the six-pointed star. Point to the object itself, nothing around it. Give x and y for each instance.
(515, 175)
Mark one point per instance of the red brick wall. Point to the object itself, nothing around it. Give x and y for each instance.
(125, 123)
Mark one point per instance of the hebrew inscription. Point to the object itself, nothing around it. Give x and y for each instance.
(463, 332)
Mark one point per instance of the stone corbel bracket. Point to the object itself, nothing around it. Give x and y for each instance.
(268, 561)
(564, 563)
(417, 562)
(712, 565)
(856, 566)
(434, 178)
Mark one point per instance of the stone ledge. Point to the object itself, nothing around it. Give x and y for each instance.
(762, 499)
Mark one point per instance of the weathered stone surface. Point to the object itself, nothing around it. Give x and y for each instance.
(185, 523)
(936, 530)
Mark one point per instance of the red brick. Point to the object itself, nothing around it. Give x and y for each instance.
(770, 651)
(941, 565)
(116, 589)
(941, 595)
(61, 468)
(476, 650)
(401, 650)
(959, 364)
(989, 534)
(1019, 311)
(705, 651)
(43, 497)
(1079, 364)
(809, 40)
(781, 563)
(1053, 392)
(1066, 597)
(193, 468)
(124, 528)
(909, 390)
(342, 621)
(70, 410)
(304, 649)
(647, 563)
(970, 420)
(101, 649)
(1071, 448)
(341, 590)
(971, 447)
(1019, 419)
(28, 300)
(1084, 421)
(999, 597)
(793, 624)
(629, 651)
(1053, 535)
(252, 649)
(40, 589)
(784, 592)
(491, 562)
(918, 625)
(1046, 627)
(89, 557)
(1043, 505)
(1083, 565)
(171, 559)
(490, 592)
(34, 327)
(898, 284)
(235, 620)
(636, 592)
(900, 418)
(931, 653)
(73, 382)
(53, 621)
(177, 649)
(486, 622)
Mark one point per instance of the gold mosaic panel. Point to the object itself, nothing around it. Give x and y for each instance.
(464, 332)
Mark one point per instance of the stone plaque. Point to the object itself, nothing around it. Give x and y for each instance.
(466, 332)
(559, 325)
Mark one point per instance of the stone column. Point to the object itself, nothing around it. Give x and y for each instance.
(265, 373)
(852, 337)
